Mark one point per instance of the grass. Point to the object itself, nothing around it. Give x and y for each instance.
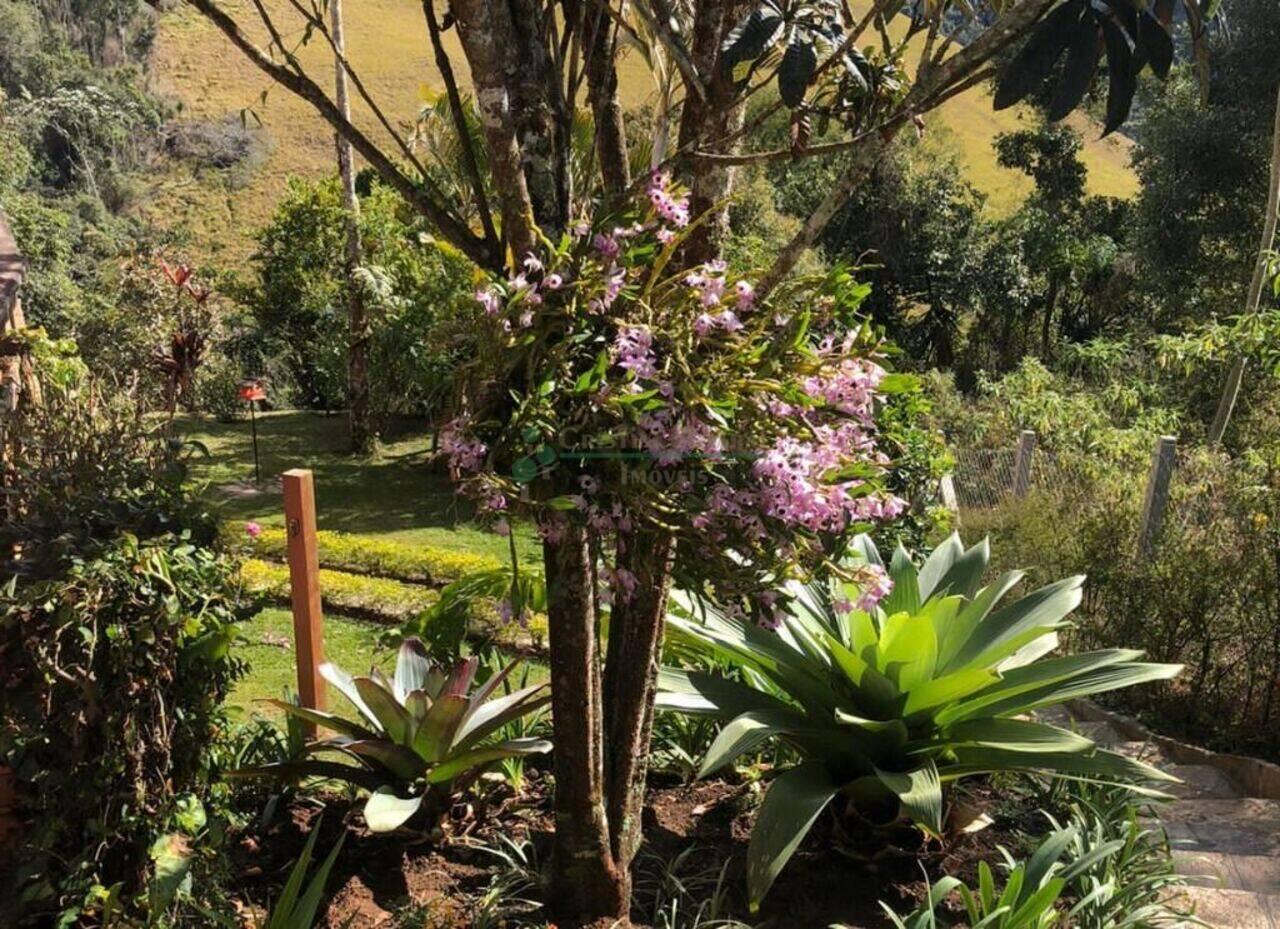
(397, 495)
(194, 65)
(404, 511)
(349, 643)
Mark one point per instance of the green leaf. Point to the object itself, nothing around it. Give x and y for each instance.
(494, 714)
(919, 792)
(796, 70)
(171, 871)
(347, 687)
(384, 811)
(745, 733)
(413, 667)
(1015, 735)
(1123, 76)
(393, 718)
(325, 720)
(399, 760)
(702, 694)
(1029, 68)
(1083, 55)
(791, 806)
(435, 735)
(939, 562)
(456, 765)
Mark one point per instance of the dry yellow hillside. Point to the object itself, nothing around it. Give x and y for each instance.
(387, 44)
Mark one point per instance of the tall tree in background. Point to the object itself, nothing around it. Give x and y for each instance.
(360, 332)
(531, 64)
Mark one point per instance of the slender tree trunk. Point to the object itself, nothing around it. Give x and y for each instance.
(1050, 305)
(359, 328)
(706, 122)
(586, 881)
(598, 34)
(630, 685)
(1231, 390)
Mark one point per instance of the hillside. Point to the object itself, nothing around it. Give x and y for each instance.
(198, 68)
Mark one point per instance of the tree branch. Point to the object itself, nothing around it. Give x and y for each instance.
(417, 195)
(470, 163)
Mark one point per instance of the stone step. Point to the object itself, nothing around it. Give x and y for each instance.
(1101, 732)
(1230, 909)
(1241, 826)
(1141, 751)
(1256, 873)
(1199, 782)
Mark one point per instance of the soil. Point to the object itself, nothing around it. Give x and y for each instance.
(417, 882)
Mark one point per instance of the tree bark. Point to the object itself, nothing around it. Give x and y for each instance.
(630, 681)
(598, 34)
(488, 40)
(360, 329)
(704, 125)
(586, 880)
(1231, 390)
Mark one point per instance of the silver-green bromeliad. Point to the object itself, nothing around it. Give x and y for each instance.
(885, 707)
(424, 734)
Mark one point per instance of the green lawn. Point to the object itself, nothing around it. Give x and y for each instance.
(397, 495)
(348, 643)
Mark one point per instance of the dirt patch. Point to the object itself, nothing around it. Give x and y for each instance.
(844, 868)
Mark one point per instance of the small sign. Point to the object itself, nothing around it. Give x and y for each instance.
(252, 390)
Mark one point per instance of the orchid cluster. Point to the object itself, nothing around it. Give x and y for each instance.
(629, 396)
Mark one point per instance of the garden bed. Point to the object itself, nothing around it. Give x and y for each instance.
(696, 841)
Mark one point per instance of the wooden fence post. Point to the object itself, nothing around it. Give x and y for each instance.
(304, 585)
(1157, 496)
(1022, 464)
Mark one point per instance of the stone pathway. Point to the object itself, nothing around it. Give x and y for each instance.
(1227, 842)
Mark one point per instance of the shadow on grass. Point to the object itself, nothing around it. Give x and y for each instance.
(397, 489)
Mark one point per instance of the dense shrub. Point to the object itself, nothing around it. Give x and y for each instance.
(382, 557)
(115, 628)
(415, 289)
(1208, 593)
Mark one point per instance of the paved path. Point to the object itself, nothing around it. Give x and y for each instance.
(1227, 842)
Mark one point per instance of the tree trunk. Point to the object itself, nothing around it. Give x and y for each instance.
(602, 88)
(630, 685)
(1231, 390)
(488, 41)
(359, 329)
(586, 881)
(705, 125)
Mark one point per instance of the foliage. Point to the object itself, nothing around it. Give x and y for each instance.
(1132, 38)
(415, 289)
(682, 893)
(1102, 870)
(1203, 164)
(424, 735)
(752, 422)
(887, 701)
(379, 598)
(296, 908)
(362, 554)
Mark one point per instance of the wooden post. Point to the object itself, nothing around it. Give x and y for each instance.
(947, 490)
(1157, 497)
(1022, 464)
(304, 585)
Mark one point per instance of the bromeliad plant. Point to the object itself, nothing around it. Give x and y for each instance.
(424, 735)
(889, 697)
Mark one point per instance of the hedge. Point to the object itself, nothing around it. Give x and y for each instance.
(424, 564)
(388, 601)
(377, 598)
